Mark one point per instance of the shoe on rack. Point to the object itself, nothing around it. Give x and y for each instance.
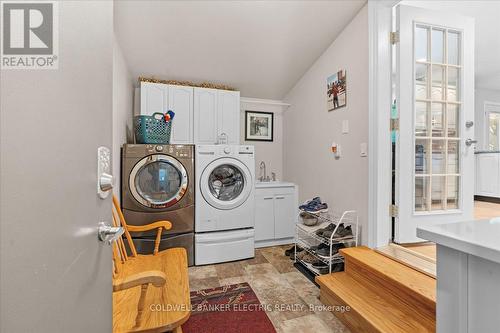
(308, 202)
(316, 208)
(328, 233)
(318, 247)
(307, 258)
(324, 252)
(329, 227)
(344, 233)
(319, 265)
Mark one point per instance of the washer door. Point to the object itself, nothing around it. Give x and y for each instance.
(158, 181)
(226, 183)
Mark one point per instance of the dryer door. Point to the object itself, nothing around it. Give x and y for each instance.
(226, 183)
(158, 181)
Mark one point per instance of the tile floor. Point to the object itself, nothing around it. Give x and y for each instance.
(276, 282)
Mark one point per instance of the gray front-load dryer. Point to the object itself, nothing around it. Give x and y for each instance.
(157, 185)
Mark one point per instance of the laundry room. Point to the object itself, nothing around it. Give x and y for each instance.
(237, 153)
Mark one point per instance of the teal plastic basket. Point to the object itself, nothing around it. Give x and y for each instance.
(152, 129)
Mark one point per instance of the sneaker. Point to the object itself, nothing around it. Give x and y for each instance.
(307, 258)
(312, 201)
(329, 227)
(316, 208)
(344, 233)
(319, 265)
(324, 252)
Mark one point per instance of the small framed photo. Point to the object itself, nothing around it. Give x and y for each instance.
(336, 90)
(259, 126)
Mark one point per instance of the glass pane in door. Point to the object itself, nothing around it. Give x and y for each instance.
(437, 113)
(226, 182)
(493, 131)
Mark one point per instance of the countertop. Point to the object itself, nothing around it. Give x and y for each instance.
(480, 238)
(487, 152)
(273, 184)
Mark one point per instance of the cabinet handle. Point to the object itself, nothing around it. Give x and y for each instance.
(268, 198)
(280, 197)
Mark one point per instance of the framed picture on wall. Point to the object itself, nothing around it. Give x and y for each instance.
(259, 126)
(336, 91)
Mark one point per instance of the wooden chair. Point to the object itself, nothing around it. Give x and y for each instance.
(150, 292)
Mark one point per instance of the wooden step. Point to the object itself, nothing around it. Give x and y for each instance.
(409, 285)
(371, 309)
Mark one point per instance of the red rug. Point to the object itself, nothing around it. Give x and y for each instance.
(227, 309)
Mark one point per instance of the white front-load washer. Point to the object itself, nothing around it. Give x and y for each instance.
(224, 210)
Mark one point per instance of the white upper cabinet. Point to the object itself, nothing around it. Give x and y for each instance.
(158, 97)
(228, 121)
(180, 100)
(216, 112)
(205, 116)
(154, 97)
(201, 114)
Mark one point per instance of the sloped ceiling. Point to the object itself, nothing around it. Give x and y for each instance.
(260, 47)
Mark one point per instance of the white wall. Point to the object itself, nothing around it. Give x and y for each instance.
(481, 96)
(269, 152)
(123, 91)
(309, 128)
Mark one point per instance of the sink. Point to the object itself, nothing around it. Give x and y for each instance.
(271, 183)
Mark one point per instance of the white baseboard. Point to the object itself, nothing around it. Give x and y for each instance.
(274, 242)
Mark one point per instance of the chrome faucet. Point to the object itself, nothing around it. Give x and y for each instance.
(262, 172)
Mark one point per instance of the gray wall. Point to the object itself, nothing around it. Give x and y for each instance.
(54, 274)
(269, 152)
(123, 101)
(309, 129)
(481, 96)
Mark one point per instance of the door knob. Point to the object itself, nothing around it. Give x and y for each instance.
(469, 123)
(469, 142)
(107, 233)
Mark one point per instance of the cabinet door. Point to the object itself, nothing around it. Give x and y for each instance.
(487, 175)
(180, 100)
(284, 216)
(264, 217)
(229, 115)
(205, 116)
(154, 97)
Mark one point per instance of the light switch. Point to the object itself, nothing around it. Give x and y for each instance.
(345, 126)
(363, 148)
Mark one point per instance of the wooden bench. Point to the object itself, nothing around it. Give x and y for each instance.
(150, 292)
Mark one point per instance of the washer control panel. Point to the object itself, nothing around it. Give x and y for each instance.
(179, 151)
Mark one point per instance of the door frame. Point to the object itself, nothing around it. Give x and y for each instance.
(380, 98)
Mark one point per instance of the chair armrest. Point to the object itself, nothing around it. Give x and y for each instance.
(157, 278)
(138, 228)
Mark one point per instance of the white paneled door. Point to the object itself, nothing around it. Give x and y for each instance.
(435, 98)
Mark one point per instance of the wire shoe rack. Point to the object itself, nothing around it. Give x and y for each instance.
(307, 238)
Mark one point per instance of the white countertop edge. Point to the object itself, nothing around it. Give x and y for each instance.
(273, 184)
(462, 245)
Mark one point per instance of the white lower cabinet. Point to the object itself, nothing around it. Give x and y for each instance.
(488, 174)
(275, 214)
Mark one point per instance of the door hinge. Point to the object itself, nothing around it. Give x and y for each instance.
(395, 124)
(394, 37)
(393, 210)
